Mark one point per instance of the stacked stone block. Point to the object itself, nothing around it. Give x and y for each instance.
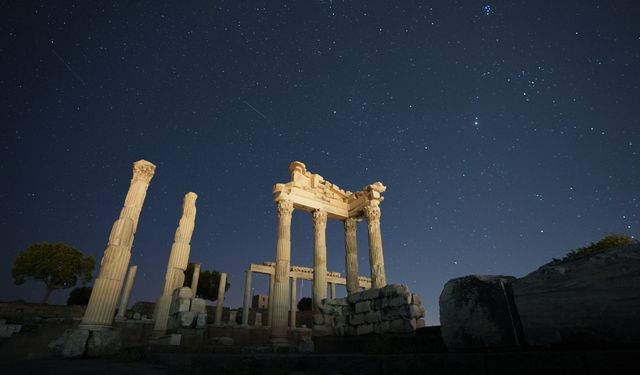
(390, 309)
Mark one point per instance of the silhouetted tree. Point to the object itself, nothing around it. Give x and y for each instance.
(207, 283)
(304, 304)
(80, 296)
(58, 266)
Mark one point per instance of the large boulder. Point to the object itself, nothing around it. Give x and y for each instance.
(103, 343)
(72, 344)
(588, 300)
(477, 312)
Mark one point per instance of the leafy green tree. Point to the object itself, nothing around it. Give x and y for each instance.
(58, 266)
(304, 304)
(609, 241)
(80, 296)
(208, 283)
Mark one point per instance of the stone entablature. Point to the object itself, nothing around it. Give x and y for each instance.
(306, 273)
(310, 192)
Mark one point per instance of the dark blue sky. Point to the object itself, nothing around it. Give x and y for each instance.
(507, 132)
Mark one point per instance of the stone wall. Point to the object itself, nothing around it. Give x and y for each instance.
(19, 311)
(391, 309)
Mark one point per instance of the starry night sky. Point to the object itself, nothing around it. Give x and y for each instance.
(507, 132)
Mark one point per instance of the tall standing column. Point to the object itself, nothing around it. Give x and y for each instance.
(272, 279)
(319, 257)
(332, 288)
(351, 254)
(376, 259)
(279, 326)
(178, 261)
(104, 296)
(246, 305)
(220, 301)
(195, 278)
(293, 303)
(126, 292)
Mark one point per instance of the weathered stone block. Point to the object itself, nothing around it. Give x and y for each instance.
(103, 343)
(338, 302)
(415, 299)
(72, 344)
(201, 320)
(475, 312)
(391, 313)
(402, 325)
(392, 290)
(381, 327)
(356, 319)
(318, 319)
(364, 329)
(370, 293)
(187, 319)
(399, 300)
(184, 292)
(198, 306)
(379, 303)
(354, 297)
(322, 330)
(411, 311)
(363, 306)
(420, 323)
(373, 317)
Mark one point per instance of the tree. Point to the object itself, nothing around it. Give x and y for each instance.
(80, 296)
(304, 304)
(208, 283)
(58, 266)
(609, 241)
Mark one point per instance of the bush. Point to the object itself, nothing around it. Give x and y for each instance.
(609, 241)
(80, 296)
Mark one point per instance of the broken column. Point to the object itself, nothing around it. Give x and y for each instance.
(220, 300)
(104, 296)
(195, 278)
(126, 292)
(178, 260)
(246, 305)
(319, 258)
(294, 307)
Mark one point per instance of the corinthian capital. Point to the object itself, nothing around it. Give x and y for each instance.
(350, 224)
(319, 217)
(372, 213)
(143, 170)
(285, 207)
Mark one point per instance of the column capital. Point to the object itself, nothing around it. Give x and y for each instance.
(319, 217)
(350, 224)
(372, 213)
(285, 207)
(143, 170)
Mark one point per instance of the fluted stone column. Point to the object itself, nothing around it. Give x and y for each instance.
(319, 257)
(126, 292)
(351, 254)
(272, 279)
(195, 278)
(104, 296)
(247, 300)
(220, 300)
(279, 326)
(178, 261)
(376, 259)
(294, 300)
(332, 288)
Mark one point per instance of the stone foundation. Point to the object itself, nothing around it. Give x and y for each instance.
(391, 309)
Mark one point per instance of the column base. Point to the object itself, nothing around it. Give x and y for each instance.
(95, 327)
(280, 344)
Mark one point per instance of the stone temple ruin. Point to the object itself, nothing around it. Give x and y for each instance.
(372, 306)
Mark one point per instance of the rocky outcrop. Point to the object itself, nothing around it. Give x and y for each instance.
(587, 300)
(477, 312)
